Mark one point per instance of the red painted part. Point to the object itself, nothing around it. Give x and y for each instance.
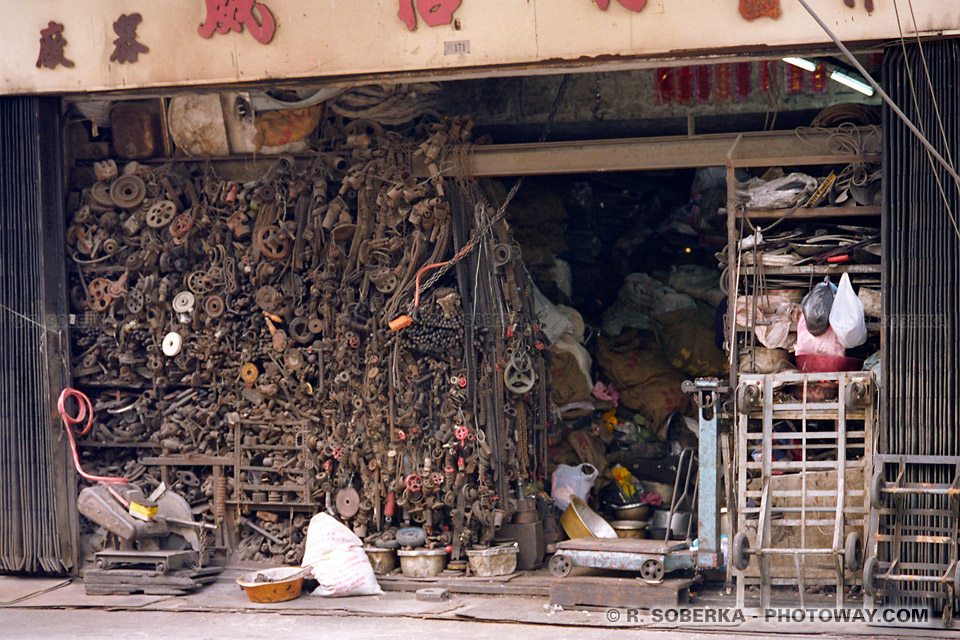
(70, 423)
(796, 79)
(390, 507)
(437, 12)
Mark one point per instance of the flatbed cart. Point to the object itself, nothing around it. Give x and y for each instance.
(650, 558)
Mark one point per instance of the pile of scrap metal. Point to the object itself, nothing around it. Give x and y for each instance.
(295, 325)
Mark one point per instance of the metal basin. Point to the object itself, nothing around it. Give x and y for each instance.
(580, 521)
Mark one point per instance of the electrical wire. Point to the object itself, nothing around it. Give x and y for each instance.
(70, 423)
(886, 98)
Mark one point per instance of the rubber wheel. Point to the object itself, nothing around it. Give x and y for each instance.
(870, 571)
(100, 563)
(161, 567)
(853, 552)
(652, 570)
(877, 497)
(956, 580)
(740, 554)
(560, 566)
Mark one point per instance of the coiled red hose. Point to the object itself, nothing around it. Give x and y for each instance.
(70, 423)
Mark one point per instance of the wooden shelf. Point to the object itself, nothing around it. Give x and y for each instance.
(812, 212)
(815, 270)
(803, 160)
(90, 444)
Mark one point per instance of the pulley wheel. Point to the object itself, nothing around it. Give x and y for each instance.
(412, 537)
(161, 214)
(348, 502)
(560, 566)
(249, 372)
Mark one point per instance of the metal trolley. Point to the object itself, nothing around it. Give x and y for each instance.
(804, 456)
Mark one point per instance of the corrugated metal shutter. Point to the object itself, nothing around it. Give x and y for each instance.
(38, 520)
(920, 431)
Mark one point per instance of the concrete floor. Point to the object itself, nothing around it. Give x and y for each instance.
(57, 607)
(128, 625)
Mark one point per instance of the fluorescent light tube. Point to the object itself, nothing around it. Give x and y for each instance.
(853, 83)
(803, 63)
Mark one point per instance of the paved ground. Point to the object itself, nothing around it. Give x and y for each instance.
(129, 625)
(60, 608)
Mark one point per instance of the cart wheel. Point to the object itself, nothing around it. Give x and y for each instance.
(856, 394)
(161, 567)
(870, 570)
(101, 563)
(740, 555)
(748, 398)
(956, 581)
(651, 570)
(560, 566)
(877, 497)
(853, 552)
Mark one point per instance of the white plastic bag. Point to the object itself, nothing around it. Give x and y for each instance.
(338, 560)
(846, 316)
(572, 481)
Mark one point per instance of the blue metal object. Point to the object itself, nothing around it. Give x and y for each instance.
(705, 393)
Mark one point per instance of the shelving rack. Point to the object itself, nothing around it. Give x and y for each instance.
(802, 497)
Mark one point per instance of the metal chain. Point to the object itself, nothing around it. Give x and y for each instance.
(502, 210)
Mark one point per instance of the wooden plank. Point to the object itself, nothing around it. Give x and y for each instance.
(618, 592)
(188, 461)
(455, 585)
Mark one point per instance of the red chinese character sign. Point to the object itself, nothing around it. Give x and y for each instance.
(127, 48)
(633, 5)
(52, 45)
(753, 9)
(233, 15)
(433, 12)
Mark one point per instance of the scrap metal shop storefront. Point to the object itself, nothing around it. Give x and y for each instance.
(445, 289)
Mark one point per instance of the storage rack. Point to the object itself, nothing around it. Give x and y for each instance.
(827, 502)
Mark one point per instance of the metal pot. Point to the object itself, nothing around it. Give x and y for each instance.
(635, 511)
(630, 529)
(659, 524)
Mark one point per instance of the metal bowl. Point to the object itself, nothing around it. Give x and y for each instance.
(580, 521)
(630, 529)
(635, 511)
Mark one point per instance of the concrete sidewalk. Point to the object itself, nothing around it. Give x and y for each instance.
(33, 608)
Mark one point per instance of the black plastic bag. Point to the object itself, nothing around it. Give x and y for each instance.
(816, 307)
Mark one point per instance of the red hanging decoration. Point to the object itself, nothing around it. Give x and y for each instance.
(742, 85)
(664, 85)
(721, 88)
(819, 80)
(684, 85)
(796, 79)
(704, 75)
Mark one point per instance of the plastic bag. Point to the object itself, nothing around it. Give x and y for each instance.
(779, 193)
(572, 481)
(816, 307)
(338, 560)
(822, 345)
(846, 316)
